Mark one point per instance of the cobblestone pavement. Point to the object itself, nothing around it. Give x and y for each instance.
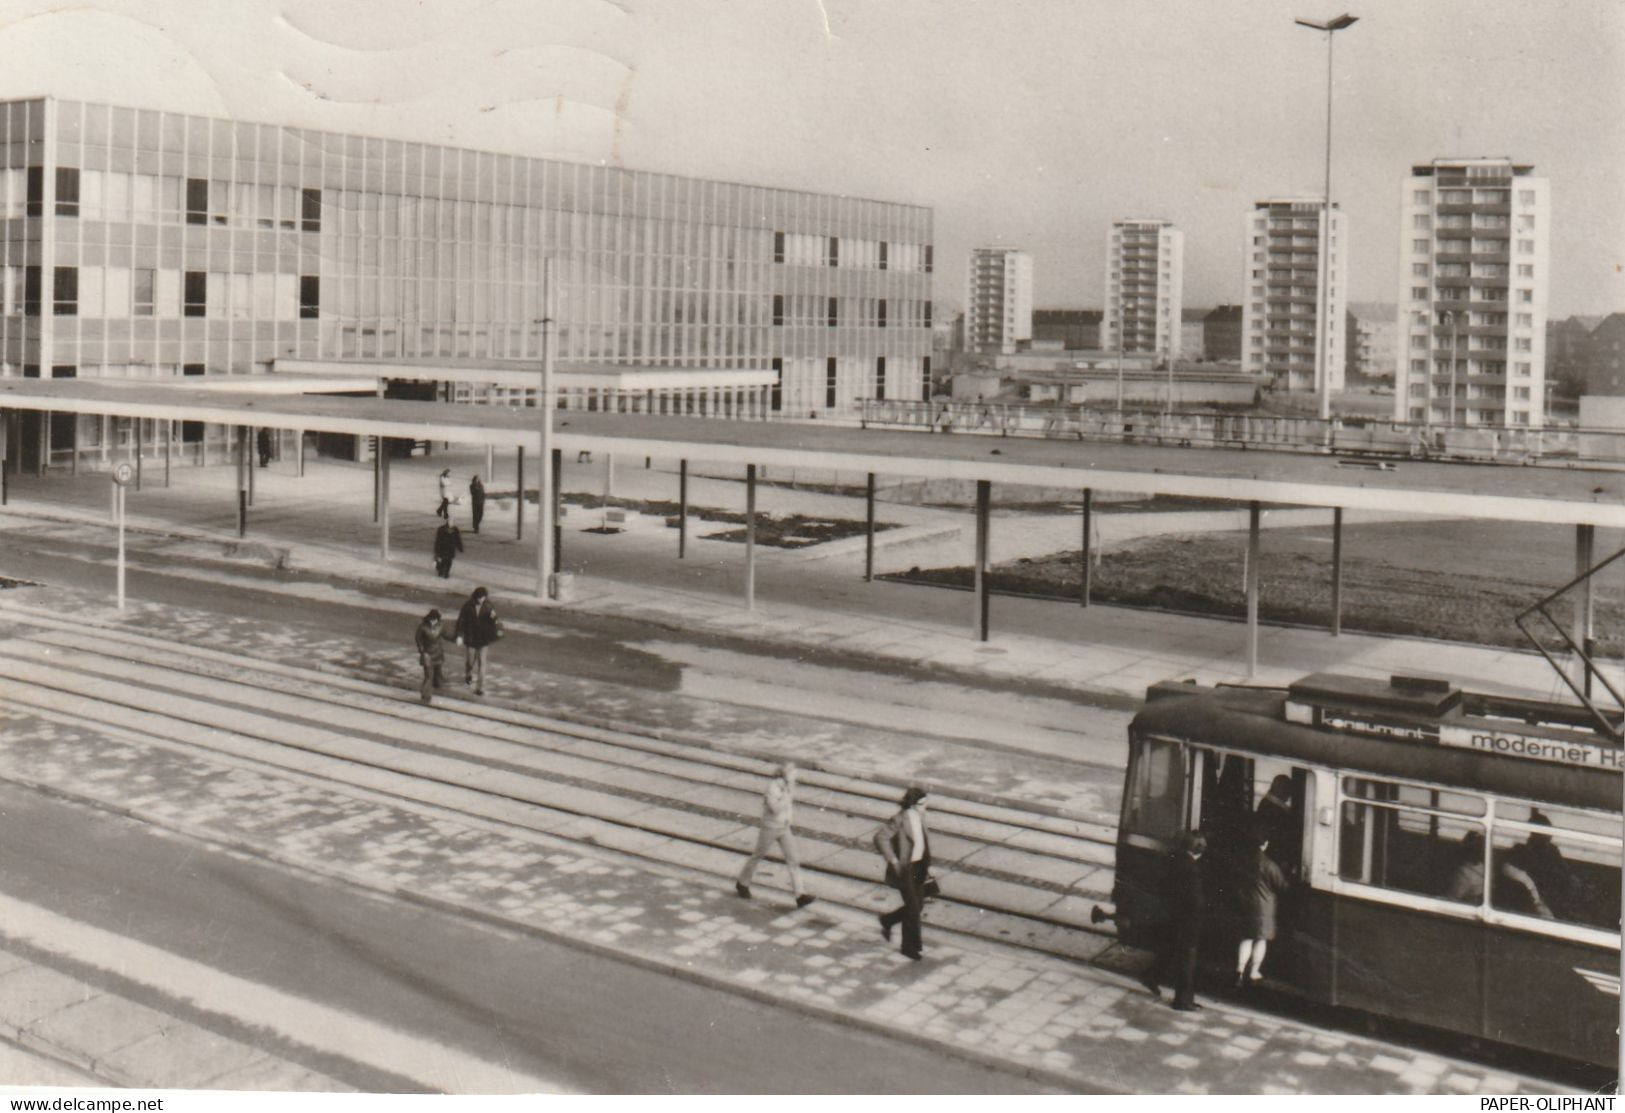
(1075, 1026)
(1030, 780)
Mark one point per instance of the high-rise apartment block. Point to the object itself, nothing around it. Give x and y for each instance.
(1283, 272)
(1145, 280)
(1472, 294)
(140, 244)
(999, 314)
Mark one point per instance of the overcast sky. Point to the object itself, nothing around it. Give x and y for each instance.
(1030, 123)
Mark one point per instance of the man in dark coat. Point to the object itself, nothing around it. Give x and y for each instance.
(1185, 903)
(448, 542)
(262, 441)
(477, 628)
(476, 498)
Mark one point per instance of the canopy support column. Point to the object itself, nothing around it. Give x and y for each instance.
(750, 536)
(869, 530)
(682, 509)
(1084, 554)
(984, 491)
(1253, 518)
(1337, 571)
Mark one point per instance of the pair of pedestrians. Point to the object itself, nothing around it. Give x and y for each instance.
(903, 842)
(478, 628)
(448, 499)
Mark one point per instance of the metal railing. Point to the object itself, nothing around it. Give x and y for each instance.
(1358, 436)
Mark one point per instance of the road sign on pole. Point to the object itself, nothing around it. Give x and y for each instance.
(122, 474)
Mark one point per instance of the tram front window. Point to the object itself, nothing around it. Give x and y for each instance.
(1156, 803)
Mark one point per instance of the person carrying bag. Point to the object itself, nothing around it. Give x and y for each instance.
(906, 845)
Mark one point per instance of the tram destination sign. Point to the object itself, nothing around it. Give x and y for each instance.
(1463, 733)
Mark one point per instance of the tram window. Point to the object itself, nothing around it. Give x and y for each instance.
(1553, 877)
(1414, 795)
(1411, 851)
(1156, 803)
(1562, 819)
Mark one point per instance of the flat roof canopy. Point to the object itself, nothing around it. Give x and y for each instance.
(1556, 495)
(523, 374)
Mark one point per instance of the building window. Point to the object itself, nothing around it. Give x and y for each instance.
(927, 307)
(778, 309)
(1419, 366)
(310, 297)
(778, 247)
(1526, 247)
(145, 291)
(1421, 222)
(35, 201)
(1522, 344)
(310, 210)
(31, 291)
(927, 258)
(882, 311)
(1526, 197)
(197, 201)
(829, 383)
(776, 399)
(1419, 342)
(67, 191)
(925, 380)
(834, 313)
(1526, 296)
(1420, 245)
(65, 292)
(196, 294)
(1419, 270)
(1521, 369)
(882, 254)
(1526, 270)
(1421, 197)
(833, 255)
(1526, 320)
(880, 378)
(1419, 293)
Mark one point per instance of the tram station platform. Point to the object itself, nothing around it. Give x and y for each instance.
(811, 599)
(819, 610)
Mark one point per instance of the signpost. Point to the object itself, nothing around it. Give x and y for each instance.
(122, 474)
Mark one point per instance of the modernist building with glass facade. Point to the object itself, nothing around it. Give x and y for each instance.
(1281, 316)
(140, 243)
(1472, 294)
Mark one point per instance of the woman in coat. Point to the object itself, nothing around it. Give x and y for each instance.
(906, 845)
(1258, 881)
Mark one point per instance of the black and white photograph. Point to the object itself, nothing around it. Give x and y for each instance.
(812, 547)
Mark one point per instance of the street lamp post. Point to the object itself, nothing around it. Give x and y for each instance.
(1323, 309)
(544, 465)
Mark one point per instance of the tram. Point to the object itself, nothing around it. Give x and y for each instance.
(1388, 805)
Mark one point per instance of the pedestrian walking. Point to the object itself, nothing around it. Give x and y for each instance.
(778, 804)
(431, 653)
(906, 845)
(444, 509)
(1258, 880)
(262, 441)
(448, 542)
(476, 499)
(1184, 904)
(478, 627)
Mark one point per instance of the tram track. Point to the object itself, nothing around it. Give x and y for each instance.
(1010, 874)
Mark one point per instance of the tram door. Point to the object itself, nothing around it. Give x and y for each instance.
(1242, 798)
